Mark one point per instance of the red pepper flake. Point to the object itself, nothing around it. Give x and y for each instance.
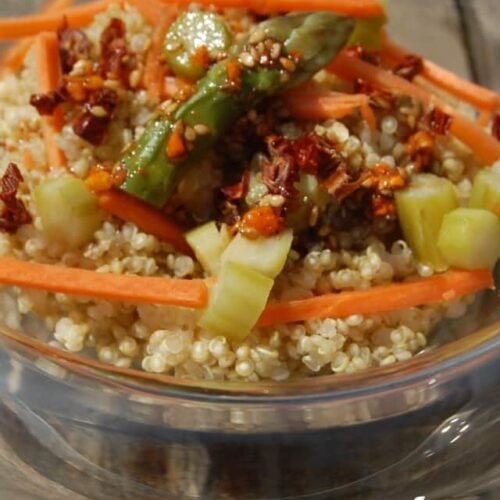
(263, 221)
(379, 98)
(238, 190)
(383, 206)
(74, 46)
(420, 147)
(438, 122)
(201, 57)
(46, 104)
(495, 127)
(409, 67)
(115, 59)
(176, 149)
(233, 73)
(13, 213)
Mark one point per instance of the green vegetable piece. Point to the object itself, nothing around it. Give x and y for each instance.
(311, 194)
(368, 32)
(486, 191)
(421, 208)
(470, 238)
(68, 210)
(208, 242)
(218, 101)
(236, 301)
(264, 255)
(191, 33)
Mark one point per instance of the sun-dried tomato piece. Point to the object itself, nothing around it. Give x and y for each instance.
(46, 104)
(261, 221)
(409, 67)
(238, 190)
(74, 45)
(438, 122)
(379, 98)
(92, 123)
(420, 147)
(495, 127)
(13, 212)
(115, 58)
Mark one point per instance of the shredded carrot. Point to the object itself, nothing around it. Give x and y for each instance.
(15, 55)
(446, 80)
(175, 146)
(483, 145)
(86, 283)
(310, 104)
(154, 71)
(49, 77)
(484, 118)
(357, 8)
(380, 299)
(76, 17)
(145, 217)
(150, 10)
(369, 116)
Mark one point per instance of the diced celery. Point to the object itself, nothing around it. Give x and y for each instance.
(264, 255)
(68, 211)
(236, 301)
(486, 191)
(470, 238)
(208, 242)
(421, 208)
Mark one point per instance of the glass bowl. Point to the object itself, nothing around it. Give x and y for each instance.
(74, 428)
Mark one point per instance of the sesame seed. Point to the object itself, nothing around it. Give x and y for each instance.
(134, 78)
(257, 36)
(247, 60)
(275, 50)
(190, 134)
(98, 111)
(201, 129)
(288, 64)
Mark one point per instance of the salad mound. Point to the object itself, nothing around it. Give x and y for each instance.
(237, 194)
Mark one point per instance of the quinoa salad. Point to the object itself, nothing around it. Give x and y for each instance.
(225, 194)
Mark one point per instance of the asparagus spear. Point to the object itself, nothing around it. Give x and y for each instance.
(278, 54)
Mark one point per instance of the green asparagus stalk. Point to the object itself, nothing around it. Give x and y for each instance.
(296, 46)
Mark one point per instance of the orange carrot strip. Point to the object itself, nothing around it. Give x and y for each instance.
(16, 27)
(150, 10)
(49, 77)
(482, 144)
(28, 161)
(357, 8)
(154, 71)
(446, 80)
(145, 217)
(484, 118)
(85, 283)
(369, 116)
(380, 299)
(14, 56)
(321, 105)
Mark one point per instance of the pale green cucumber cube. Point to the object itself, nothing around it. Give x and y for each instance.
(421, 208)
(236, 301)
(470, 238)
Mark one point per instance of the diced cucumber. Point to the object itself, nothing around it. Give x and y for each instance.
(191, 32)
(68, 211)
(236, 301)
(421, 208)
(208, 242)
(486, 191)
(264, 255)
(470, 238)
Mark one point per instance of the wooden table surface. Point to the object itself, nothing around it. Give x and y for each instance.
(436, 29)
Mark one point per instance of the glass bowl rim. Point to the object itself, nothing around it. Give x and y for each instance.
(463, 353)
